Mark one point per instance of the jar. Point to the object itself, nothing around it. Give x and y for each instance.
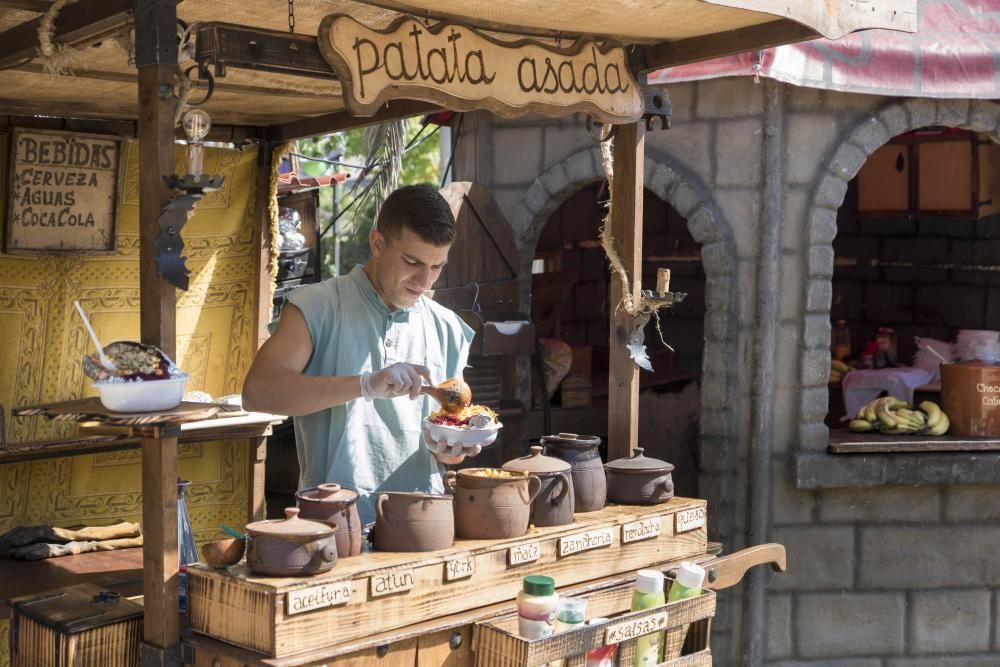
(536, 607)
(290, 547)
(338, 506)
(639, 480)
(491, 504)
(413, 522)
(590, 487)
(553, 505)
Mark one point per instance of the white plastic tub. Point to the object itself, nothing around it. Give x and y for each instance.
(142, 396)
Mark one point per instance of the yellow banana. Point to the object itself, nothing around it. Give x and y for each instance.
(934, 413)
(896, 404)
(914, 418)
(942, 426)
(869, 413)
(861, 425)
(886, 419)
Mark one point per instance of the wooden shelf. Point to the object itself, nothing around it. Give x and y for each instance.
(848, 442)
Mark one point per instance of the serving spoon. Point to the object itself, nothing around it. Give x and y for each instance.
(453, 394)
(105, 361)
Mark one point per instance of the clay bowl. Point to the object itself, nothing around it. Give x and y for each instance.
(223, 553)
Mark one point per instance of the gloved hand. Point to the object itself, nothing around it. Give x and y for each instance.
(449, 454)
(395, 380)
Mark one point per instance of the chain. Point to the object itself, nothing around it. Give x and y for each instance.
(291, 15)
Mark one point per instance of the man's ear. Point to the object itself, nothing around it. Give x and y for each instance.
(377, 241)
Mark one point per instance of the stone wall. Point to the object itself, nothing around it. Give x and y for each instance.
(892, 558)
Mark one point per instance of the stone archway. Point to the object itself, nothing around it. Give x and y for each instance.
(856, 145)
(707, 225)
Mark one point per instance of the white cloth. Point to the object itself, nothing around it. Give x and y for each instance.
(860, 387)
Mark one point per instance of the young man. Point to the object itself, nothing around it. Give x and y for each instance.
(349, 355)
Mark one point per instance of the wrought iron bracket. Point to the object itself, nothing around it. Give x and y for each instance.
(175, 214)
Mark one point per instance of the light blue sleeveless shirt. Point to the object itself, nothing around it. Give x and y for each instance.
(373, 446)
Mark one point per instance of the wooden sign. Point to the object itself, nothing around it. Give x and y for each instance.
(459, 567)
(642, 529)
(687, 520)
(637, 627)
(464, 70)
(392, 581)
(592, 539)
(528, 552)
(317, 597)
(63, 192)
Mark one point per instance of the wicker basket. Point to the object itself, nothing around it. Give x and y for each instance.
(686, 625)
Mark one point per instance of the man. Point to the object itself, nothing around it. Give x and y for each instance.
(350, 354)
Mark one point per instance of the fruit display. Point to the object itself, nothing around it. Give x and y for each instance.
(893, 416)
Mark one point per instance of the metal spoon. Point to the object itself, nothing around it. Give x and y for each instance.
(454, 394)
(105, 361)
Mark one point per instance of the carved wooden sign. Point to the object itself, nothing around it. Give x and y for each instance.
(687, 520)
(462, 69)
(520, 554)
(63, 192)
(317, 597)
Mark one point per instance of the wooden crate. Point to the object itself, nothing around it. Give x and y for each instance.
(497, 644)
(80, 625)
(376, 592)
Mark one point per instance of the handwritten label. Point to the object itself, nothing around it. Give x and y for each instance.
(528, 552)
(643, 529)
(459, 567)
(625, 630)
(317, 597)
(464, 69)
(393, 581)
(63, 191)
(687, 520)
(592, 539)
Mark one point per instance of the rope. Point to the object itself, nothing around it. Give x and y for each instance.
(57, 59)
(278, 154)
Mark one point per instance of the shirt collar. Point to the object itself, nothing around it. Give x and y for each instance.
(366, 287)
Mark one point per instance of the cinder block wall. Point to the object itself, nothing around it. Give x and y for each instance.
(892, 558)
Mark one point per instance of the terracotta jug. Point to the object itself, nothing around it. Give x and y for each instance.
(590, 485)
(553, 506)
(494, 507)
(413, 522)
(337, 506)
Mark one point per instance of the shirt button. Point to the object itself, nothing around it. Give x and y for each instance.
(388, 343)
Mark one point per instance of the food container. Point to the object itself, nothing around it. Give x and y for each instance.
(590, 487)
(491, 507)
(463, 435)
(639, 480)
(223, 553)
(290, 547)
(337, 506)
(142, 395)
(414, 522)
(553, 506)
(970, 396)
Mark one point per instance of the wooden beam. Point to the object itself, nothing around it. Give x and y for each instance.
(84, 21)
(343, 120)
(262, 236)
(234, 134)
(626, 228)
(693, 49)
(227, 45)
(40, 6)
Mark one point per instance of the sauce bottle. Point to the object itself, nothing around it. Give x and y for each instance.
(648, 594)
(536, 607)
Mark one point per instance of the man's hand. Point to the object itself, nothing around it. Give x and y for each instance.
(449, 454)
(399, 379)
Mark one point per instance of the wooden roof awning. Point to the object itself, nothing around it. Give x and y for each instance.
(663, 32)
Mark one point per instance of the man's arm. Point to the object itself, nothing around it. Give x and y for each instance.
(276, 383)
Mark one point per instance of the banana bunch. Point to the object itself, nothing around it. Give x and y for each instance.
(894, 417)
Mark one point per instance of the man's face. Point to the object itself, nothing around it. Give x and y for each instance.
(405, 267)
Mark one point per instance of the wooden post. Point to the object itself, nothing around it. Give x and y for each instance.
(156, 60)
(626, 227)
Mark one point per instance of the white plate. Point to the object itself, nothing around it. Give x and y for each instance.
(463, 435)
(142, 396)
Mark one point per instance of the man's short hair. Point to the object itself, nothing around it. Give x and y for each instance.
(421, 209)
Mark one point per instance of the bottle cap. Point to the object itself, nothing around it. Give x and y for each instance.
(649, 581)
(538, 584)
(691, 575)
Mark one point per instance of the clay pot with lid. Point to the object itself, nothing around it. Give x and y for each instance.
(639, 480)
(338, 506)
(491, 507)
(553, 506)
(290, 547)
(590, 487)
(414, 522)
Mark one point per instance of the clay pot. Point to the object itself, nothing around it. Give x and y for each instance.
(553, 506)
(414, 522)
(638, 480)
(337, 506)
(970, 396)
(223, 553)
(491, 508)
(590, 487)
(290, 547)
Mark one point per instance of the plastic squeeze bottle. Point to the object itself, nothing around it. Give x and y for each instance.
(690, 577)
(648, 594)
(536, 606)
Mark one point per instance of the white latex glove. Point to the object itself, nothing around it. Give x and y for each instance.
(443, 450)
(398, 379)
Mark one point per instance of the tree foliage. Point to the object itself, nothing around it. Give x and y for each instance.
(420, 164)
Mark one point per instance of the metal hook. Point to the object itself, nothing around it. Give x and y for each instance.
(203, 73)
